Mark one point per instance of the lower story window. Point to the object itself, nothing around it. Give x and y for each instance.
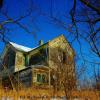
(38, 77)
(41, 78)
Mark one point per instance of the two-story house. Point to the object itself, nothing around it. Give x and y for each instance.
(23, 66)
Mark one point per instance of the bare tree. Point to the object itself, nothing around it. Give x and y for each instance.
(63, 73)
(10, 20)
(4, 30)
(96, 77)
(88, 14)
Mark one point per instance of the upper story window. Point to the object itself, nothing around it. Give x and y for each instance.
(9, 59)
(64, 57)
(39, 58)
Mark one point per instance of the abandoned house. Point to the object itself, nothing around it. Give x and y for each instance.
(25, 66)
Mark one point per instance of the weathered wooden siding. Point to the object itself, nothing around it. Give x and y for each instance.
(58, 49)
(23, 78)
(20, 61)
(59, 43)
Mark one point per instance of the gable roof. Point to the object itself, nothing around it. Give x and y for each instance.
(27, 49)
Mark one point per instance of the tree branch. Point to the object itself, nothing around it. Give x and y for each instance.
(91, 6)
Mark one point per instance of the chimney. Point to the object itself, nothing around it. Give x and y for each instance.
(41, 42)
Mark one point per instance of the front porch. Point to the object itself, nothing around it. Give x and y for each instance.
(33, 76)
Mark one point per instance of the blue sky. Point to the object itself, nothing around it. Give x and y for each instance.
(42, 26)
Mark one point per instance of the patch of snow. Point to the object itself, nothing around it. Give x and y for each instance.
(20, 47)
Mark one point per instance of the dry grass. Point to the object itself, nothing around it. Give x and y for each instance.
(46, 94)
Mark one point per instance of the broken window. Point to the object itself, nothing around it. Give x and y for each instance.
(39, 58)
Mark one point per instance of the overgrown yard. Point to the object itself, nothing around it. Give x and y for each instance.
(47, 94)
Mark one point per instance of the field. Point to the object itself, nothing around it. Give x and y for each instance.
(47, 94)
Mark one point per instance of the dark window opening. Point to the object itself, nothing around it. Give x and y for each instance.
(26, 60)
(9, 59)
(44, 79)
(64, 57)
(41, 78)
(39, 58)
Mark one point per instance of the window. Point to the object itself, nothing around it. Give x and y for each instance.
(39, 58)
(38, 77)
(64, 57)
(9, 59)
(41, 78)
